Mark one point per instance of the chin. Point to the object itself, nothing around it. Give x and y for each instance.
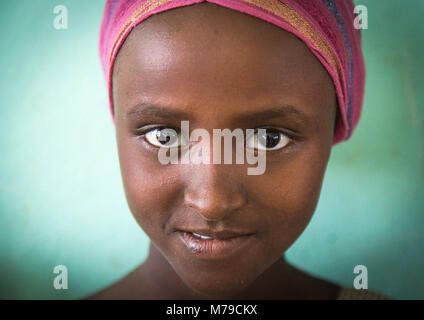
(215, 286)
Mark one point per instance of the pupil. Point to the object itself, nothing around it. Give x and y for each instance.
(272, 139)
(165, 136)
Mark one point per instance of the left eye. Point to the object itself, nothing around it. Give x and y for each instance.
(267, 139)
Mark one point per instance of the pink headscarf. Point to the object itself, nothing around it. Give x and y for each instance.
(326, 27)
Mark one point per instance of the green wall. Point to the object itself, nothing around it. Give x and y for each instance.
(61, 197)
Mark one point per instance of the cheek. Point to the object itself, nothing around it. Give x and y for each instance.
(287, 195)
(151, 189)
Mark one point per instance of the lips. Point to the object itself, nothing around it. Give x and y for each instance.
(213, 245)
(220, 235)
(200, 236)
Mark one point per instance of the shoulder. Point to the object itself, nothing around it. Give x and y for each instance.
(361, 294)
(115, 291)
(132, 286)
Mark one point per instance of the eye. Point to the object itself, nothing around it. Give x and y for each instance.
(267, 139)
(164, 137)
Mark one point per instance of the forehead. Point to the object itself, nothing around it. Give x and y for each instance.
(204, 58)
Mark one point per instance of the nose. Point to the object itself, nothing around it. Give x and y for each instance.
(214, 191)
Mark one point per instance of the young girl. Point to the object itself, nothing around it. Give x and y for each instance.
(292, 67)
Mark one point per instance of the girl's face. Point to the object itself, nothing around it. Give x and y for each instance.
(219, 69)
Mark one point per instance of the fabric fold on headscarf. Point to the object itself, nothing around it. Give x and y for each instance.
(325, 26)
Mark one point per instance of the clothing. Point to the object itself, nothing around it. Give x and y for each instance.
(326, 27)
(354, 294)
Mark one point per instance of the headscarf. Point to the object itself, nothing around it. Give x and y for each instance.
(325, 26)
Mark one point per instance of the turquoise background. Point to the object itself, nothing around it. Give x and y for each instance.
(61, 196)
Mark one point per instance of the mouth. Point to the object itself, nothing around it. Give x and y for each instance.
(213, 245)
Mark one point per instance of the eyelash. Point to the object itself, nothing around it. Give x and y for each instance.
(140, 133)
(293, 136)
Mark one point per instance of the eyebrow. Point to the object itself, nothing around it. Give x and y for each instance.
(143, 110)
(283, 111)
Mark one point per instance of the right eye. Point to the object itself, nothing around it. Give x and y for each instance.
(164, 137)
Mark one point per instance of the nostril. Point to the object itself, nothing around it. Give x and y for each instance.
(214, 205)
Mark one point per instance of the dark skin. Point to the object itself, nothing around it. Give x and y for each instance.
(220, 68)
